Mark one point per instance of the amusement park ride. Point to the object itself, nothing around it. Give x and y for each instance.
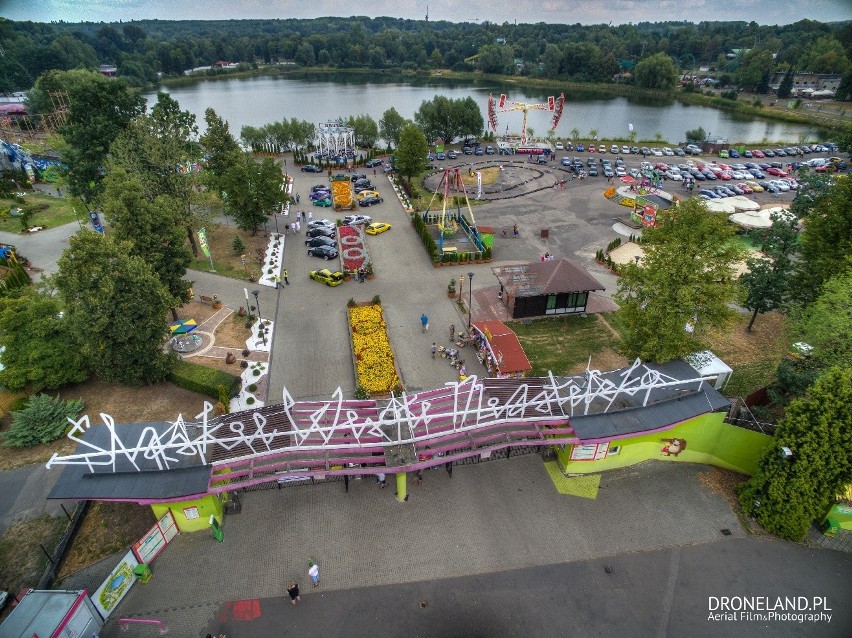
(452, 184)
(554, 105)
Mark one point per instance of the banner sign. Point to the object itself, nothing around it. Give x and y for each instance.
(202, 241)
(116, 586)
(151, 544)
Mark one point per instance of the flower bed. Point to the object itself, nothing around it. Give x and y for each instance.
(353, 252)
(374, 361)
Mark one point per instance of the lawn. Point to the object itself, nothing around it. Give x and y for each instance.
(51, 212)
(563, 345)
(21, 560)
(227, 262)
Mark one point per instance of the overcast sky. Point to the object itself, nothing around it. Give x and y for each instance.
(499, 11)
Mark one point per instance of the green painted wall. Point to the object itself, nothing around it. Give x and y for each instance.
(841, 513)
(708, 440)
(207, 505)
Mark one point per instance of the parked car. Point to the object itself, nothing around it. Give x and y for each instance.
(613, 149)
(361, 188)
(325, 276)
(325, 223)
(580, 148)
(758, 154)
(320, 240)
(467, 150)
(440, 156)
(478, 151)
(354, 220)
(566, 161)
(370, 201)
(776, 171)
(452, 155)
(560, 146)
(625, 150)
(708, 193)
(593, 171)
(323, 194)
(319, 187)
(373, 162)
(679, 152)
(757, 188)
(748, 154)
(656, 152)
(310, 168)
(377, 227)
(608, 172)
(667, 151)
(321, 231)
(733, 153)
(324, 252)
(322, 202)
(489, 150)
(745, 188)
(367, 193)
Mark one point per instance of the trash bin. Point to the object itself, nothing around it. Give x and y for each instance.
(545, 233)
(142, 572)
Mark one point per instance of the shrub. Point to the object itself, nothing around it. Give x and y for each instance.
(252, 387)
(249, 400)
(377, 301)
(361, 392)
(351, 302)
(223, 394)
(196, 378)
(44, 419)
(238, 245)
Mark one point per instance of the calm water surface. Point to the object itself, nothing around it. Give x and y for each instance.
(260, 100)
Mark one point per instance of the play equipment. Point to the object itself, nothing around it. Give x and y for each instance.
(449, 223)
(554, 105)
(335, 141)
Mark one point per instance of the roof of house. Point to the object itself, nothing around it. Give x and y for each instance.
(186, 475)
(547, 278)
(509, 354)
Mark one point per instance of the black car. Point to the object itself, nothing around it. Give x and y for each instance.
(373, 162)
(310, 168)
(356, 176)
(369, 201)
(320, 241)
(326, 252)
(360, 188)
(593, 171)
(319, 187)
(321, 231)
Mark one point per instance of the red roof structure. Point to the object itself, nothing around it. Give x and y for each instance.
(506, 353)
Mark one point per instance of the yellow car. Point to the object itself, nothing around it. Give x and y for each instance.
(377, 227)
(325, 276)
(364, 194)
(757, 188)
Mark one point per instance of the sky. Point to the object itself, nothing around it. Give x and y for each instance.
(497, 11)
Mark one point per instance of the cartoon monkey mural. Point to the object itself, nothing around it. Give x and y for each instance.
(673, 447)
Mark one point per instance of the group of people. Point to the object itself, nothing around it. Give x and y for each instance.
(546, 257)
(515, 231)
(293, 586)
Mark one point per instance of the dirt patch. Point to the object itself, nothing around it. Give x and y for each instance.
(21, 560)
(106, 529)
(735, 346)
(201, 312)
(232, 332)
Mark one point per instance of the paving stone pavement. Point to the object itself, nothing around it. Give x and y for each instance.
(489, 517)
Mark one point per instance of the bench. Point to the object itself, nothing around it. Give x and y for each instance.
(451, 249)
(206, 299)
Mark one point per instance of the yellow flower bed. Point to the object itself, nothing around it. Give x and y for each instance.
(341, 193)
(374, 362)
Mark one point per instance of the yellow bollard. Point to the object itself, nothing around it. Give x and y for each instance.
(401, 487)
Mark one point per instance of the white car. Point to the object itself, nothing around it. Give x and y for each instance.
(354, 220)
(657, 152)
(673, 175)
(613, 149)
(781, 186)
(625, 150)
(668, 151)
(620, 171)
(560, 146)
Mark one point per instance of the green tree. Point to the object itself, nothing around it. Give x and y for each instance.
(826, 324)
(390, 126)
(253, 190)
(366, 130)
(656, 72)
(115, 304)
(38, 347)
(219, 145)
(826, 55)
(754, 71)
(412, 151)
(826, 242)
(446, 119)
(786, 86)
(789, 492)
(767, 281)
(696, 135)
(685, 279)
(42, 420)
(155, 230)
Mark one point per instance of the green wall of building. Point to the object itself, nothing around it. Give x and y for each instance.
(709, 440)
(207, 505)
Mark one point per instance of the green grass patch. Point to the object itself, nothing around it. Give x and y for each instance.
(21, 560)
(196, 378)
(750, 377)
(51, 211)
(560, 344)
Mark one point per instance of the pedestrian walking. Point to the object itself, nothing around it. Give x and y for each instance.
(284, 274)
(293, 590)
(449, 467)
(298, 198)
(505, 231)
(298, 226)
(434, 349)
(286, 229)
(277, 279)
(310, 216)
(346, 483)
(381, 479)
(515, 230)
(313, 572)
(452, 331)
(424, 322)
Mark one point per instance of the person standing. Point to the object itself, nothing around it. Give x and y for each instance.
(284, 274)
(434, 349)
(424, 322)
(297, 226)
(313, 572)
(293, 590)
(381, 479)
(277, 279)
(310, 216)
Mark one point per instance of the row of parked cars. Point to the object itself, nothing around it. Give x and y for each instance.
(787, 151)
(322, 234)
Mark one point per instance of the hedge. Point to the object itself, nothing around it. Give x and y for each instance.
(196, 378)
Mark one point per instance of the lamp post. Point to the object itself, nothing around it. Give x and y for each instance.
(256, 294)
(469, 300)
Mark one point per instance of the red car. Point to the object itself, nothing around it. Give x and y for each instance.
(725, 175)
(776, 171)
(745, 188)
(757, 154)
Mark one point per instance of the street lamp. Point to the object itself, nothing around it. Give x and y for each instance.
(256, 294)
(469, 299)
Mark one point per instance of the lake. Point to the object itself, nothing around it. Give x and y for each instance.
(257, 101)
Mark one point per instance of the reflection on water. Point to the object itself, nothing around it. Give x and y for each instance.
(257, 101)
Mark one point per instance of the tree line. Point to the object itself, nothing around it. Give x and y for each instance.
(744, 53)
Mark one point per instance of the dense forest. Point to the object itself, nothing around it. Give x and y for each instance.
(741, 53)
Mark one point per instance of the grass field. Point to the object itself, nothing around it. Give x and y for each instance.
(50, 211)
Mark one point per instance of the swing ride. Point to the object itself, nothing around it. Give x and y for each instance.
(450, 222)
(553, 104)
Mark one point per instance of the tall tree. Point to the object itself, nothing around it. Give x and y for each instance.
(115, 304)
(445, 118)
(767, 281)
(366, 130)
(253, 190)
(826, 244)
(412, 151)
(390, 126)
(219, 145)
(38, 347)
(786, 86)
(656, 72)
(683, 286)
(154, 230)
(789, 492)
(826, 324)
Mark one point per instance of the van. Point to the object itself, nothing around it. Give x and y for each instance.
(504, 148)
